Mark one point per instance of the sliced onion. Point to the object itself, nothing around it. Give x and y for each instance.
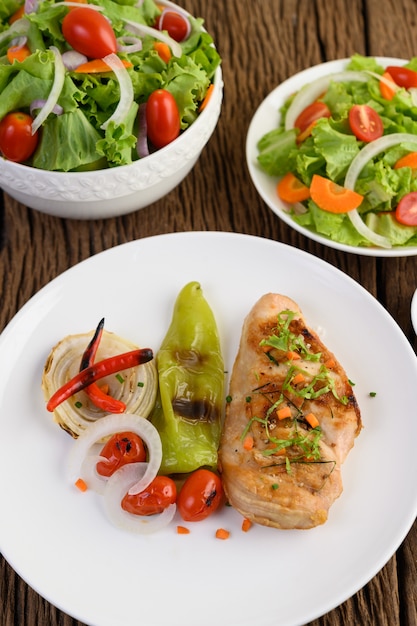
(18, 28)
(143, 29)
(72, 59)
(308, 94)
(105, 428)
(19, 42)
(382, 79)
(126, 90)
(77, 4)
(117, 486)
(180, 13)
(129, 44)
(31, 6)
(38, 104)
(142, 146)
(371, 150)
(55, 92)
(413, 94)
(137, 388)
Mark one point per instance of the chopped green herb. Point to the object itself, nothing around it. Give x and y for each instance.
(78, 404)
(141, 384)
(372, 394)
(248, 398)
(274, 486)
(120, 378)
(228, 398)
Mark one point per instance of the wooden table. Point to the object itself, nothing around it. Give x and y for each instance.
(262, 43)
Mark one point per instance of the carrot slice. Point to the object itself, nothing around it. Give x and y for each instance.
(182, 530)
(284, 412)
(332, 197)
(311, 419)
(163, 50)
(207, 97)
(81, 484)
(97, 66)
(298, 378)
(386, 91)
(18, 53)
(17, 15)
(248, 442)
(293, 356)
(222, 533)
(409, 160)
(246, 524)
(291, 189)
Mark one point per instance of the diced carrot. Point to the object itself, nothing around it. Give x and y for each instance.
(409, 160)
(386, 90)
(105, 388)
(81, 484)
(293, 356)
(284, 412)
(17, 14)
(98, 66)
(18, 53)
(207, 97)
(182, 530)
(306, 132)
(332, 197)
(248, 442)
(163, 50)
(246, 524)
(291, 189)
(311, 419)
(222, 533)
(298, 378)
(330, 363)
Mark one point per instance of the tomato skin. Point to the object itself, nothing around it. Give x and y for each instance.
(402, 76)
(16, 140)
(154, 499)
(365, 123)
(89, 33)
(162, 118)
(311, 114)
(200, 496)
(121, 449)
(174, 23)
(406, 211)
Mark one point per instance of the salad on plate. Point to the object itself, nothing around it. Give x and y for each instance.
(98, 83)
(344, 154)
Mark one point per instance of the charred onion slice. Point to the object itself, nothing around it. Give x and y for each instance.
(136, 386)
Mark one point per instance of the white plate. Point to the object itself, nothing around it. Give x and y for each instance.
(59, 539)
(414, 311)
(266, 118)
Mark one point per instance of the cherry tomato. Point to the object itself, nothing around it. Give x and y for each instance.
(121, 449)
(406, 211)
(311, 114)
(16, 140)
(200, 496)
(402, 76)
(175, 24)
(162, 118)
(365, 122)
(154, 499)
(89, 33)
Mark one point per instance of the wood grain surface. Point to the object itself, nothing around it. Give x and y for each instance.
(261, 43)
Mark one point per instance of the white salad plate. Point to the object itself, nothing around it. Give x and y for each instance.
(59, 539)
(266, 118)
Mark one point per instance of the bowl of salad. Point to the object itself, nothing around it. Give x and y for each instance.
(105, 105)
(333, 152)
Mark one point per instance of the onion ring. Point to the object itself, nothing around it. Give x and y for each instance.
(126, 90)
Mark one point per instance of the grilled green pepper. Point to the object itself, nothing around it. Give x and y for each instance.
(188, 410)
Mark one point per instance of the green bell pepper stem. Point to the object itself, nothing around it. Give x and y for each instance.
(189, 409)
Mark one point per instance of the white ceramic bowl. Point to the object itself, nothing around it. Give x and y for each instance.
(118, 190)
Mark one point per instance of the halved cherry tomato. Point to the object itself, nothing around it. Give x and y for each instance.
(88, 32)
(365, 122)
(403, 76)
(121, 449)
(311, 114)
(154, 499)
(174, 23)
(162, 118)
(200, 495)
(16, 140)
(406, 211)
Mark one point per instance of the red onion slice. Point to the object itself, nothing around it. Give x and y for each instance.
(38, 104)
(142, 146)
(72, 59)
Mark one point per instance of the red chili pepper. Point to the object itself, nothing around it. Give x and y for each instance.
(97, 396)
(99, 370)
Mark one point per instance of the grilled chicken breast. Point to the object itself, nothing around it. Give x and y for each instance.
(291, 419)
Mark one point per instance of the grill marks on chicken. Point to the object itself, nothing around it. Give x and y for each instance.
(291, 399)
